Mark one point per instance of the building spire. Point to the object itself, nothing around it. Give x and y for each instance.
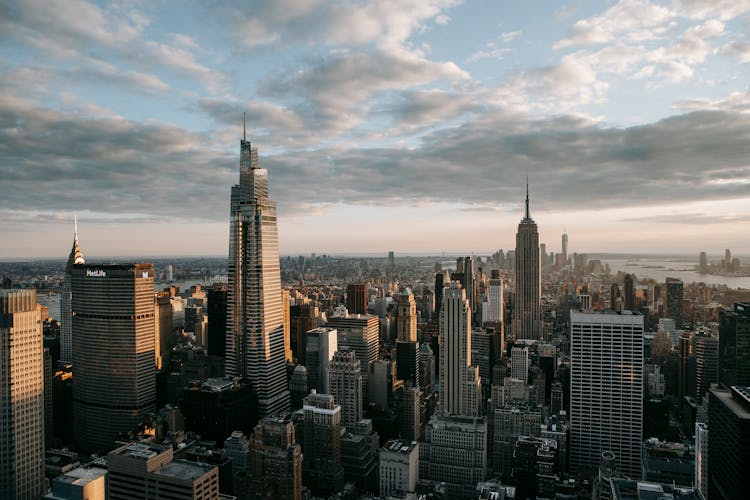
(244, 127)
(75, 227)
(528, 216)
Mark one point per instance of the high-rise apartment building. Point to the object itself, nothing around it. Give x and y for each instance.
(606, 389)
(460, 385)
(113, 351)
(321, 467)
(345, 385)
(674, 301)
(527, 311)
(21, 396)
(734, 346)
(255, 320)
(66, 319)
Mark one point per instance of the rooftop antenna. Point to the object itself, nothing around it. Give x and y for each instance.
(528, 216)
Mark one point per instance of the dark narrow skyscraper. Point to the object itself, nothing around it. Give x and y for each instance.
(527, 313)
(255, 323)
(66, 320)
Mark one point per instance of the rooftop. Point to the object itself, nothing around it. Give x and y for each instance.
(626, 489)
(182, 469)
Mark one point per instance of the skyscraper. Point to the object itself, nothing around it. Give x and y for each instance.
(629, 286)
(606, 389)
(460, 386)
(321, 467)
(321, 346)
(356, 298)
(527, 312)
(21, 396)
(674, 301)
(728, 442)
(565, 247)
(358, 333)
(734, 346)
(345, 385)
(496, 302)
(706, 350)
(255, 322)
(406, 316)
(113, 351)
(66, 320)
(520, 363)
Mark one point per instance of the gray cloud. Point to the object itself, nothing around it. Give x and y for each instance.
(697, 219)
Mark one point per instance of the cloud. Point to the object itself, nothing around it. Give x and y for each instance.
(736, 101)
(698, 219)
(335, 92)
(386, 23)
(704, 9)
(636, 20)
(739, 50)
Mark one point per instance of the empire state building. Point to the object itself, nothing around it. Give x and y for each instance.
(527, 312)
(255, 323)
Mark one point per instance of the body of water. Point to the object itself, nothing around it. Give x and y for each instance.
(660, 269)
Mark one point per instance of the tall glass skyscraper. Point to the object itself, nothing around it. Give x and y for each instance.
(527, 312)
(255, 321)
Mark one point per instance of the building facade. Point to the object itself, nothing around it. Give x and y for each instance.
(113, 351)
(345, 385)
(527, 311)
(255, 347)
(21, 396)
(399, 467)
(606, 389)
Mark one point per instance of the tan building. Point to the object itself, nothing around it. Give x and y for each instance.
(21, 396)
(148, 472)
(89, 483)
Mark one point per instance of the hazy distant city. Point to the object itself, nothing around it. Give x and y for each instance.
(465, 250)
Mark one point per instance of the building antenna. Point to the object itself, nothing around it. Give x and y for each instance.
(528, 216)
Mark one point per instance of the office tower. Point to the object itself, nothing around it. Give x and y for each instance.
(527, 312)
(215, 407)
(359, 455)
(382, 378)
(454, 451)
(674, 301)
(21, 396)
(149, 471)
(113, 351)
(701, 458)
(286, 315)
(345, 385)
(629, 287)
(302, 319)
(496, 301)
(356, 299)
(255, 320)
(459, 381)
(684, 346)
(407, 361)
(465, 275)
(406, 314)
(358, 333)
(702, 262)
(409, 413)
(399, 467)
(734, 346)
(557, 397)
(426, 369)
(519, 363)
(276, 460)
(217, 320)
(66, 313)
(534, 467)
(548, 364)
(298, 386)
(440, 284)
(428, 303)
(483, 354)
(728, 442)
(321, 467)
(565, 247)
(321, 345)
(606, 389)
(665, 462)
(706, 350)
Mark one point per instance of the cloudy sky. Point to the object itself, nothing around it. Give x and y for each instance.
(406, 125)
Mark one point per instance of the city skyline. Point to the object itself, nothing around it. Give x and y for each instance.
(630, 119)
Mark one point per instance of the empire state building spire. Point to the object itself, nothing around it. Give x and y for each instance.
(255, 323)
(527, 314)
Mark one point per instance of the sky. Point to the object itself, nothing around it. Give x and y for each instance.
(404, 125)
